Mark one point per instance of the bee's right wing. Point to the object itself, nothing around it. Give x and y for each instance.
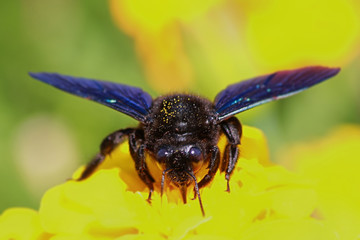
(247, 94)
(126, 99)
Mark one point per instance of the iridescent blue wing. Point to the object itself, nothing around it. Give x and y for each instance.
(129, 100)
(247, 94)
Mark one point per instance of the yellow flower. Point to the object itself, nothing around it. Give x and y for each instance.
(265, 202)
(220, 40)
(333, 164)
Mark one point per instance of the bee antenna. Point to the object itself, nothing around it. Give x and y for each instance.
(197, 191)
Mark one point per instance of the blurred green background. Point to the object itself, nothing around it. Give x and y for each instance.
(46, 134)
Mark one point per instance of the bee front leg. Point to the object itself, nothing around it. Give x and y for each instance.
(137, 150)
(106, 147)
(233, 130)
(213, 167)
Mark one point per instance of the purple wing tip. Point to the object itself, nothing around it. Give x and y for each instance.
(331, 71)
(34, 75)
(42, 76)
(314, 74)
(335, 71)
(328, 71)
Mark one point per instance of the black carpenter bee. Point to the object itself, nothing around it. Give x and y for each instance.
(181, 131)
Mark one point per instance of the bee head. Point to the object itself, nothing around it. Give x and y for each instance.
(179, 166)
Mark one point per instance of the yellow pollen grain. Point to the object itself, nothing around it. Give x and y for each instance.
(168, 110)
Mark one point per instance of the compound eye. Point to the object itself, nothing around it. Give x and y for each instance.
(195, 154)
(162, 154)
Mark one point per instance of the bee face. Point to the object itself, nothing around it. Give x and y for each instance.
(187, 158)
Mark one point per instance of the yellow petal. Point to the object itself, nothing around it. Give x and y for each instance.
(289, 229)
(254, 145)
(97, 205)
(153, 16)
(154, 25)
(76, 237)
(21, 224)
(288, 34)
(333, 164)
(141, 237)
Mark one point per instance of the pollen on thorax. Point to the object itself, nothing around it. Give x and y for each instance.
(170, 108)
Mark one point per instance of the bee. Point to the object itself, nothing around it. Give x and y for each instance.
(181, 131)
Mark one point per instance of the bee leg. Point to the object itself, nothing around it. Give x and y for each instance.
(137, 150)
(107, 145)
(233, 130)
(213, 167)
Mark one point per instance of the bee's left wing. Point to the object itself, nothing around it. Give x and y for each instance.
(247, 94)
(126, 99)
